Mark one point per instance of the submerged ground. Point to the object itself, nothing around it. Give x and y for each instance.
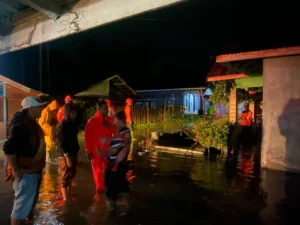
(170, 188)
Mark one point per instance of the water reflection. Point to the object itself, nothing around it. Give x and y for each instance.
(169, 188)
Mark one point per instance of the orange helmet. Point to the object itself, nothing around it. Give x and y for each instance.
(68, 98)
(129, 100)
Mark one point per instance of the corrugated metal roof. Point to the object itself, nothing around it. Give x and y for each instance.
(257, 54)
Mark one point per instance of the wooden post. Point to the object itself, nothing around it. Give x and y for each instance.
(233, 106)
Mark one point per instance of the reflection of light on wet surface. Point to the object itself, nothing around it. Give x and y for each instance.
(170, 189)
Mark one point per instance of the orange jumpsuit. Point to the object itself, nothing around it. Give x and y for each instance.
(128, 113)
(95, 131)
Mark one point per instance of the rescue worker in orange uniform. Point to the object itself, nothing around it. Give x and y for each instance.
(98, 132)
(111, 109)
(60, 113)
(48, 122)
(128, 113)
(246, 122)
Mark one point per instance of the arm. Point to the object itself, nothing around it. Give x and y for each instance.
(89, 137)
(10, 148)
(122, 155)
(44, 117)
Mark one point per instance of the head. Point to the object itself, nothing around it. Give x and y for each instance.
(102, 107)
(246, 106)
(33, 107)
(261, 105)
(70, 113)
(120, 121)
(129, 101)
(68, 99)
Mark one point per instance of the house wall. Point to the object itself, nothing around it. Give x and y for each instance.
(14, 97)
(167, 97)
(281, 113)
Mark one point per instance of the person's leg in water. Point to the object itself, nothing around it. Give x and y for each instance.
(122, 192)
(25, 193)
(111, 190)
(73, 171)
(31, 214)
(49, 146)
(65, 178)
(98, 172)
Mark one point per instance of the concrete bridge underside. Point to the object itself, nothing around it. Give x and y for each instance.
(24, 23)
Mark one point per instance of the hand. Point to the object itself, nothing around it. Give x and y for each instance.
(90, 156)
(17, 174)
(69, 162)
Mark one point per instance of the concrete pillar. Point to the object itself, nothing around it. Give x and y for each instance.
(281, 113)
(233, 105)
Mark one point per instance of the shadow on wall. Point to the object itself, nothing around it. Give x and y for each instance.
(289, 126)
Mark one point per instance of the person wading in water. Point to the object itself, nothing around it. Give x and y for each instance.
(67, 144)
(97, 128)
(117, 167)
(25, 153)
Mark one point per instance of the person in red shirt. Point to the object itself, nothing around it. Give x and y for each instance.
(128, 113)
(246, 122)
(98, 132)
(60, 113)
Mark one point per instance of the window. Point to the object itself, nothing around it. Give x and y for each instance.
(191, 102)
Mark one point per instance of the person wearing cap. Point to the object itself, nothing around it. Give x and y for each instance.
(25, 154)
(128, 113)
(98, 132)
(48, 122)
(60, 113)
(246, 123)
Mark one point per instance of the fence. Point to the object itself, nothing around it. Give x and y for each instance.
(144, 115)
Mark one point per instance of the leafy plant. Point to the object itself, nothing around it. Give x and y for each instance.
(90, 111)
(213, 133)
(243, 95)
(221, 91)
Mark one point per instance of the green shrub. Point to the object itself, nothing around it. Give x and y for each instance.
(213, 133)
(90, 111)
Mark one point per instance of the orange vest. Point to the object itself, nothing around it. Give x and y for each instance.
(246, 118)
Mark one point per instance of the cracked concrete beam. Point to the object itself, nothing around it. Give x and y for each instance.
(84, 15)
(47, 7)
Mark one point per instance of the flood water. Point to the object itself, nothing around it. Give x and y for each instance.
(174, 189)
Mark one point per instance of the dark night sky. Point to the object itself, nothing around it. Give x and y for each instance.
(168, 48)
